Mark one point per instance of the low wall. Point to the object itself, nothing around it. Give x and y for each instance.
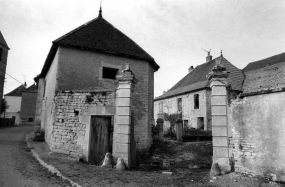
(258, 129)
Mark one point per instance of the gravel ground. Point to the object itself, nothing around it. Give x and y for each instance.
(189, 163)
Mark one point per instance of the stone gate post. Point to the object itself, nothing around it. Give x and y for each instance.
(122, 137)
(218, 82)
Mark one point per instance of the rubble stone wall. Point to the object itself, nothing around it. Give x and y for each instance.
(258, 128)
(72, 114)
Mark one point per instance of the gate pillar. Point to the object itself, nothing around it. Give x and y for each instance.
(218, 83)
(123, 144)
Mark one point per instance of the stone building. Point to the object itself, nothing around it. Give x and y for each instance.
(191, 96)
(3, 64)
(77, 88)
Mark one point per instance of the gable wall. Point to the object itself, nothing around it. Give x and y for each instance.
(80, 70)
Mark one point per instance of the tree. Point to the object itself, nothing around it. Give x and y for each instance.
(4, 106)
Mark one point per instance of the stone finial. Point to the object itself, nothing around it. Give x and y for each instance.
(218, 71)
(100, 11)
(126, 74)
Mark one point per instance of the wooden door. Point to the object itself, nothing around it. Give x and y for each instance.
(100, 138)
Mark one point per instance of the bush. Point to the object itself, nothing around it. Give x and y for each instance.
(39, 135)
(170, 134)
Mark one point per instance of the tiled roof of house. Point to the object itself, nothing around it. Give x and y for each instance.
(196, 79)
(99, 35)
(265, 62)
(16, 92)
(2, 41)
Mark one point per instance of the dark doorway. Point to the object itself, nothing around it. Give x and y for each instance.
(101, 138)
(200, 123)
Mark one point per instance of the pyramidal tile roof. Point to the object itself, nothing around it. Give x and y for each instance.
(99, 35)
(3, 42)
(196, 79)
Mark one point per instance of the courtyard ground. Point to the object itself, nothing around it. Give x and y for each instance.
(185, 164)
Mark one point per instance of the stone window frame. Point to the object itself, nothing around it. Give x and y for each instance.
(107, 65)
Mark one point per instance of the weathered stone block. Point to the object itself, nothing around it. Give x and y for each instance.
(219, 131)
(123, 93)
(219, 90)
(219, 121)
(219, 100)
(219, 110)
(123, 102)
(125, 85)
(221, 152)
(122, 138)
(220, 141)
(124, 111)
(120, 148)
(122, 129)
(123, 120)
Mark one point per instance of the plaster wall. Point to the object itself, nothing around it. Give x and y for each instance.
(170, 106)
(258, 128)
(49, 94)
(14, 103)
(81, 70)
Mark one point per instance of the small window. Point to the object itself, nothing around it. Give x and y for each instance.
(200, 123)
(1, 54)
(196, 101)
(30, 119)
(160, 105)
(109, 73)
(179, 102)
(185, 124)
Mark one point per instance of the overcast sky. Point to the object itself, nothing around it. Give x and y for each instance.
(171, 31)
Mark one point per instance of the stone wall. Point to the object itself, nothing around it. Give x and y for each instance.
(72, 115)
(28, 106)
(258, 129)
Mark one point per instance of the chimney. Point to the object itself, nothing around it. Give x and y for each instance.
(209, 57)
(190, 69)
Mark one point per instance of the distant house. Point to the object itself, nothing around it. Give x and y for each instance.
(14, 100)
(3, 63)
(80, 66)
(22, 104)
(28, 104)
(191, 96)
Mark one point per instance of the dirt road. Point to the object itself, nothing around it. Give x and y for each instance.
(18, 168)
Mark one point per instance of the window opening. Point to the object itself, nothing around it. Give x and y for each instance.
(160, 107)
(30, 119)
(179, 101)
(1, 53)
(196, 101)
(109, 73)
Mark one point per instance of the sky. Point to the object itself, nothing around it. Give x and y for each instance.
(173, 32)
